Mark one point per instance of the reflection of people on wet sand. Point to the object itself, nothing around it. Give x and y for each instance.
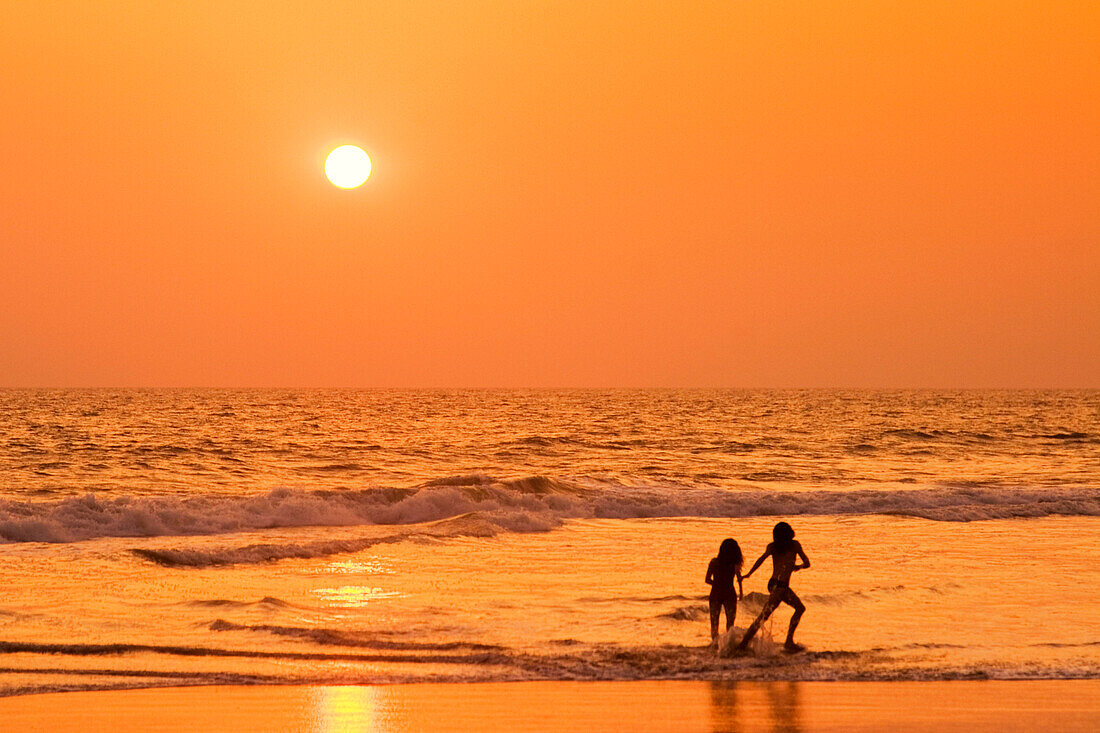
(785, 552)
(720, 574)
(736, 706)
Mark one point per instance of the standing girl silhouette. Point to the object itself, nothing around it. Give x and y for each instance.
(720, 574)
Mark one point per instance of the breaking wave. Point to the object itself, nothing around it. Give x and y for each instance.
(251, 554)
(345, 638)
(206, 557)
(481, 505)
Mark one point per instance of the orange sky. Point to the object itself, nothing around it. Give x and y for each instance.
(740, 193)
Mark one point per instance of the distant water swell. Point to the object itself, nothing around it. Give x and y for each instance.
(129, 442)
(480, 506)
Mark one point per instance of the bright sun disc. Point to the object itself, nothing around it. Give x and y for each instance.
(347, 166)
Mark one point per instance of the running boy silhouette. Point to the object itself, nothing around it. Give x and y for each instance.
(785, 552)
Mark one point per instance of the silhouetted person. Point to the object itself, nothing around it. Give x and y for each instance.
(785, 552)
(720, 574)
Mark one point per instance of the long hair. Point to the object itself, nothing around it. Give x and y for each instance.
(729, 554)
(782, 537)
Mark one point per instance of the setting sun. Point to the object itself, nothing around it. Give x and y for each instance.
(347, 166)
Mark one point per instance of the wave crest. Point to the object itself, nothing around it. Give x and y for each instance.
(480, 505)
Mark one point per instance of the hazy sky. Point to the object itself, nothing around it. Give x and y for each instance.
(734, 193)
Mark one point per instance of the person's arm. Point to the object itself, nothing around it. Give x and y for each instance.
(740, 587)
(710, 573)
(802, 554)
(757, 564)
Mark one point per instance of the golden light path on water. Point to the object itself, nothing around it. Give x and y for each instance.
(352, 596)
(347, 708)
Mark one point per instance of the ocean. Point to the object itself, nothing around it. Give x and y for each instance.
(181, 537)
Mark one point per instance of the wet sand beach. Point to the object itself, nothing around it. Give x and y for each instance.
(972, 706)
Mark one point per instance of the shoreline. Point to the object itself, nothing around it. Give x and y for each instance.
(965, 705)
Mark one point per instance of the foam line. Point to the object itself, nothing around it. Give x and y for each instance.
(532, 504)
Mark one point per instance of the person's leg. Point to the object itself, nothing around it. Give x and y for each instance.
(731, 612)
(715, 612)
(770, 606)
(799, 608)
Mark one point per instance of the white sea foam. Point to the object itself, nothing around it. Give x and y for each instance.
(480, 505)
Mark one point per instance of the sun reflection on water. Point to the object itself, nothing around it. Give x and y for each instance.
(344, 709)
(352, 596)
(371, 565)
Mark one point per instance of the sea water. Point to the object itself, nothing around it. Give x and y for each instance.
(253, 537)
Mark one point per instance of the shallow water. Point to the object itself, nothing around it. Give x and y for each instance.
(200, 537)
